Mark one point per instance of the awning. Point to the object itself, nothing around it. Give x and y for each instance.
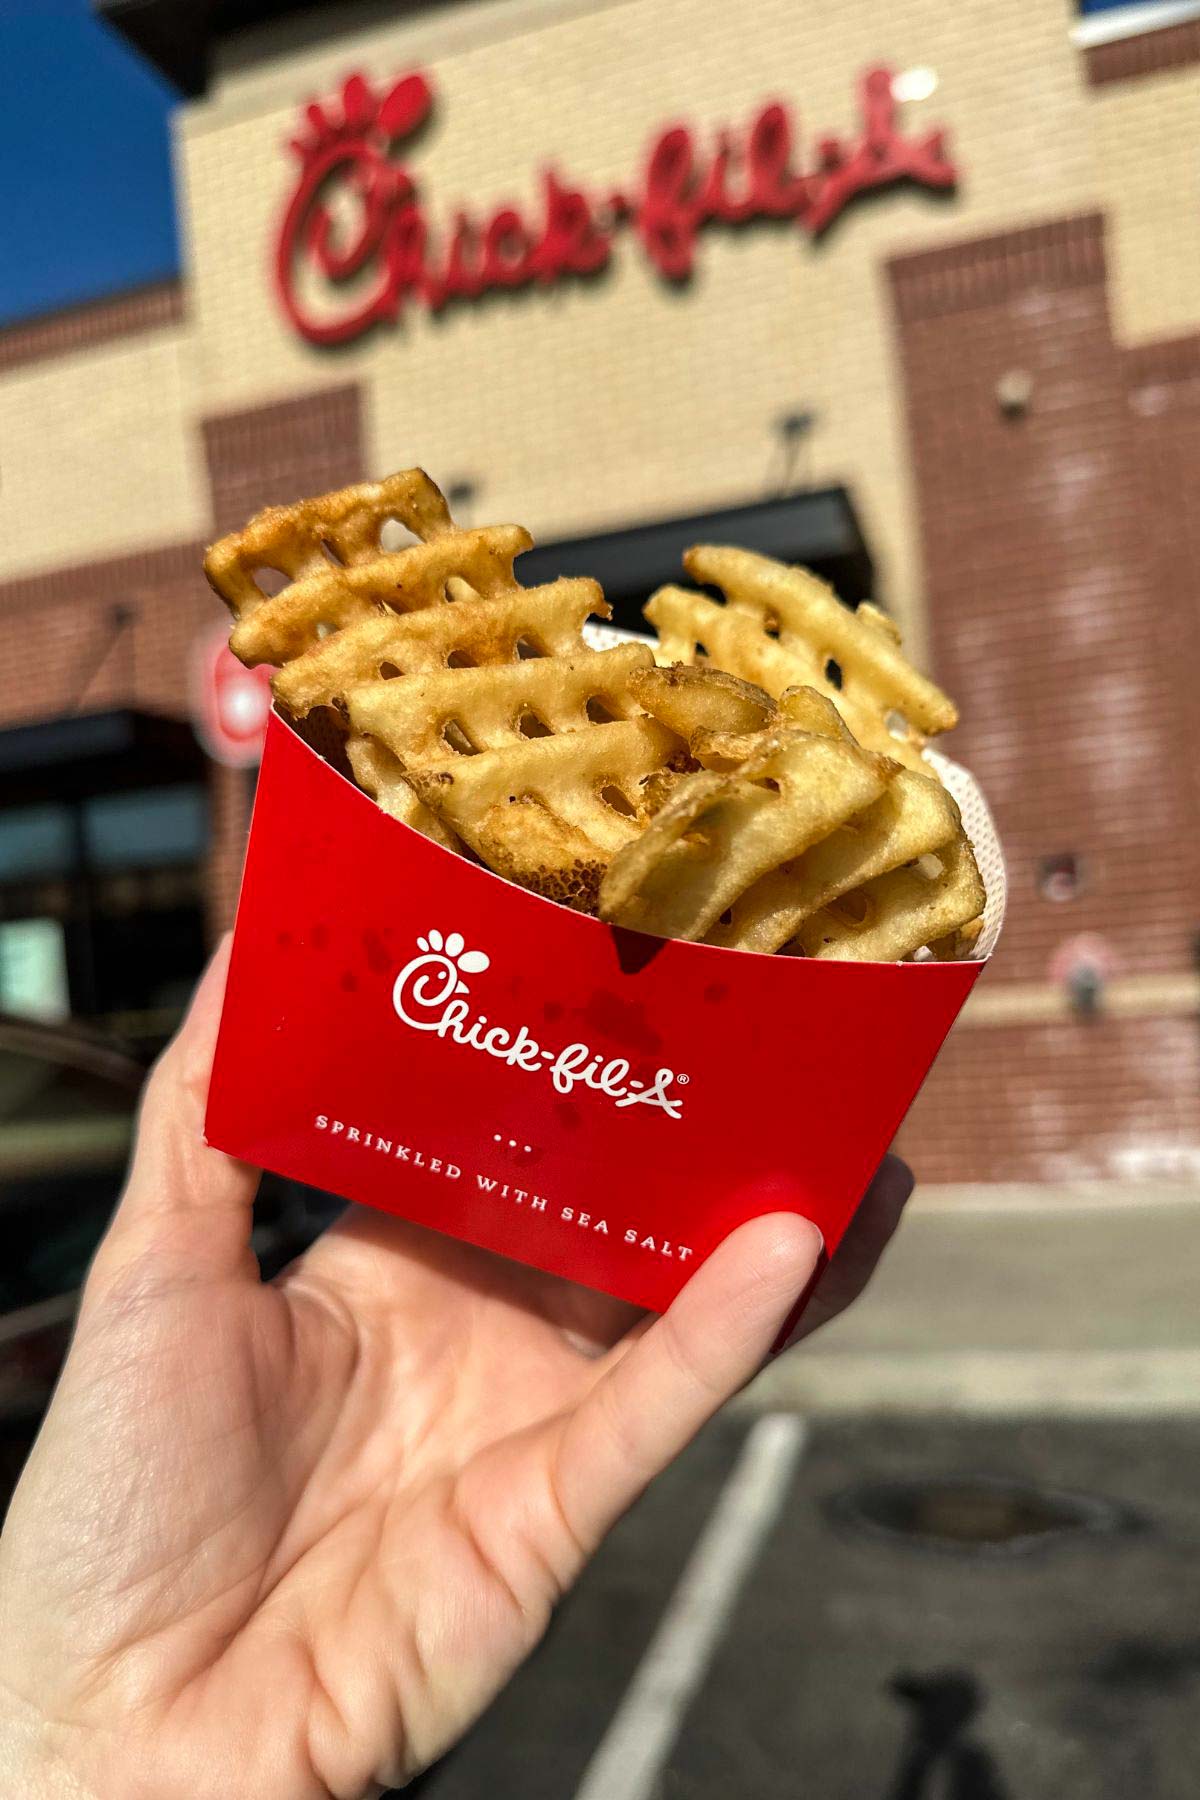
(177, 35)
(818, 528)
(85, 754)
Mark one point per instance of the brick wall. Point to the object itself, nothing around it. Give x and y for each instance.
(1047, 616)
(1109, 1099)
(61, 650)
(1061, 563)
(268, 456)
(1163, 383)
(274, 454)
(1143, 53)
(97, 322)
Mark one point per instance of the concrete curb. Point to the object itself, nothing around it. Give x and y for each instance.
(1009, 1301)
(984, 1384)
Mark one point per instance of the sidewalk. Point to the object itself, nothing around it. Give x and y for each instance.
(1018, 1300)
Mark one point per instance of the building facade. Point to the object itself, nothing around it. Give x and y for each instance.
(604, 264)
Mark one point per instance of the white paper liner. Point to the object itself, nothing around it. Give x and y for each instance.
(981, 830)
(959, 782)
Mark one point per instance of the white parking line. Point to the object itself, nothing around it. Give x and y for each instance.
(639, 1738)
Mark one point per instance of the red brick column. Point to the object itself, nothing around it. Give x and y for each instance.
(1163, 382)
(1054, 624)
(229, 791)
(1048, 620)
(287, 450)
(266, 456)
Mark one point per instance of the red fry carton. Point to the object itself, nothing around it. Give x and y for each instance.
(406, 1029)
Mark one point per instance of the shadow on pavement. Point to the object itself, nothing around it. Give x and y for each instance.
(942, 1708)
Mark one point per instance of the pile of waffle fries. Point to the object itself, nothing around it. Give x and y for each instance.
(754, 780)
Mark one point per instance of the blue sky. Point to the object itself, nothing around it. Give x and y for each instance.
(85, 177)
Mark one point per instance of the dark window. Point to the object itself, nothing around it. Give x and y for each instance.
(149, 830)
(102, 907)
(35, 842)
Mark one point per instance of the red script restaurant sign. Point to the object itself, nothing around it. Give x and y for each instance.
(356, 241)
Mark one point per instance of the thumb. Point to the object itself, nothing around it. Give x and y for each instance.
(184, 1204)
(677, 1373)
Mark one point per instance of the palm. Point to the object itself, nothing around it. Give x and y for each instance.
(360, 1471)
(288, 1539)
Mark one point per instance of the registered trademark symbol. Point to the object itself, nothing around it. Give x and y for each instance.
(683, 1080)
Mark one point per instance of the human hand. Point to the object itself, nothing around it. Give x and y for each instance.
(288, 1539)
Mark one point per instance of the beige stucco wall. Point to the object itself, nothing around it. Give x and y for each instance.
(98, 455)
(1146, 141)
(602, 403)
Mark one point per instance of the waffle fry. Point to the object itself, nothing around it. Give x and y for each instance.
(914, 817)
(355, 613)
(889, 918)
(693, 700)
(550, 813)
(307, 611)
(340, 528)
(381, 775)
(719, 834)
(338, 573)
(781, 627)
(725, 748)
(547, 621)
(466, 711)
(407, 722)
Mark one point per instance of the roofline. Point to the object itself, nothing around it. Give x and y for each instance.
(83, 324)
(177, 36)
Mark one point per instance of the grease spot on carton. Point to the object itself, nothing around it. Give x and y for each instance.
(320, 937)
(715, 992)
(621, 1021)
(379, 959)
(349, 982)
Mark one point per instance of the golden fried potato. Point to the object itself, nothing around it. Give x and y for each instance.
(542, 622)
(719, 834)
(781, 627)
(913, 817)
(550, 812)
(889, 918)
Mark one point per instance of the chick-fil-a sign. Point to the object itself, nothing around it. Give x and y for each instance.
(357, 242)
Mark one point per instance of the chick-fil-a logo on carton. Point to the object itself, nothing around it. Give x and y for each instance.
(429, 994)
(356, 241)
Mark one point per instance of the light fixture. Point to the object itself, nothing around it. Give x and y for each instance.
(1014, 391)
(1060, 877)
(914, 84)
(793, 425)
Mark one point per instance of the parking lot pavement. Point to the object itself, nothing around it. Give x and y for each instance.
(1000, 1301)
(854, 1665)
